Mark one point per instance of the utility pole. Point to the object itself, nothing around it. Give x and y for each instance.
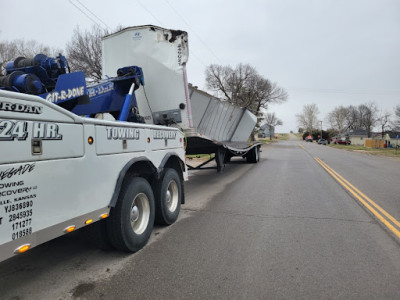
(321, 129)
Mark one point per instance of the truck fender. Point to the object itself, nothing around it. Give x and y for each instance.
(167, 157)
(124, 171)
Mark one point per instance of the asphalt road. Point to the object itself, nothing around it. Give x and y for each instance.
(284, 228)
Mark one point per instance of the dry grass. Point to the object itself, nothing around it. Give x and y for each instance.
(278, 137)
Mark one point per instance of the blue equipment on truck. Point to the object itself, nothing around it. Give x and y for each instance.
(51, 79)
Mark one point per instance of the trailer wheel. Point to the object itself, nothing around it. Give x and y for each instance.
(168, 198)
(131, 221)
(253, 156)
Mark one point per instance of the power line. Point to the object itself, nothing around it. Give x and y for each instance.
(346, 91)
(78, 8)
(197, 57)
(93, 14)
(194, 32)
(89, 17)
(150, 13)
(161, 24)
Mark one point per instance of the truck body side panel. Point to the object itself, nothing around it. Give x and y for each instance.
(72, 179)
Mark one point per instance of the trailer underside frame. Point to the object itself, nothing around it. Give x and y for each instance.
(223, 151)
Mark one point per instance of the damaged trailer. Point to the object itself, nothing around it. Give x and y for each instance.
(210, 125)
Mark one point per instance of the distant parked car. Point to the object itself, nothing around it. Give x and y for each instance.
(309, 138)
(342, 142)
(322, 142)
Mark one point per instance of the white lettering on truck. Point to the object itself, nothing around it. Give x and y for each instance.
(162, 134)
(22, 108)
(65, 94)
(46, 131)
(122, 133)
(10, 130)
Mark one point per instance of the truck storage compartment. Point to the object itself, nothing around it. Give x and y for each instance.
(32, 129)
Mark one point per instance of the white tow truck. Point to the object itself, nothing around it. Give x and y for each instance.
(109, 157)
(62, 167)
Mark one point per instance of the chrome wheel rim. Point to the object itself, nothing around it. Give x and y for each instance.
(172, 196)
(140, 213)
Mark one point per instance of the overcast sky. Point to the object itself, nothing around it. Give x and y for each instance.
(327, 52)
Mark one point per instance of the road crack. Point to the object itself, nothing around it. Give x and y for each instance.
(277, 216)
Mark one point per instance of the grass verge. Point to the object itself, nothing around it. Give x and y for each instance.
(389, 152)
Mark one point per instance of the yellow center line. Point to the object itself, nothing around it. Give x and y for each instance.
(301, 146)
(397, 223)
(363, 199)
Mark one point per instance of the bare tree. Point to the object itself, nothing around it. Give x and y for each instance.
(396, 121)
(84, 52)
(271, 121)
(384, 121)
(338, 118)
(353, 118)
(309, 118)
(368, 116)
(244, 87)
(7, 53)
(362, 117)
(9, 50)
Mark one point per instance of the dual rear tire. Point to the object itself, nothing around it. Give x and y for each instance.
(131, 221)
(168, 198)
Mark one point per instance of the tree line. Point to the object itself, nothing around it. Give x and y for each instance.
(83, 51)
(341, 119)
(241, 85)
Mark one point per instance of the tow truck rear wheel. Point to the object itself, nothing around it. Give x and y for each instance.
(168, 198)
(131, 221)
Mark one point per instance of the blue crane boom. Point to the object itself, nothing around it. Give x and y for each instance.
(51, 79)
